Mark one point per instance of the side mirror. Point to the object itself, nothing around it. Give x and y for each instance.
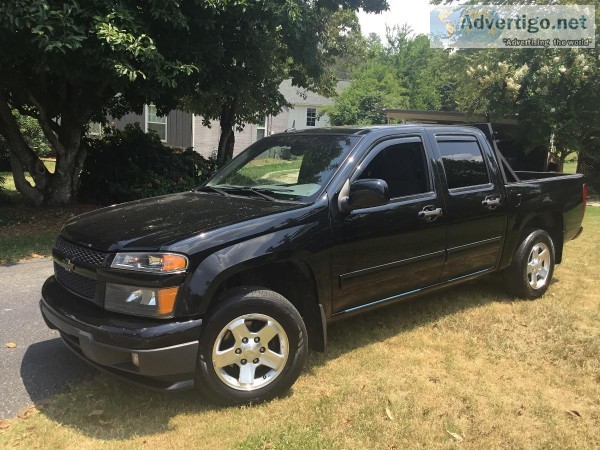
(365, 194)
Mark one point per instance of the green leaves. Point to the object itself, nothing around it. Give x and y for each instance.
(404, 73)
(82, 60)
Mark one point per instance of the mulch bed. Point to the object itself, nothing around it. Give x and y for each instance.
(17, 220)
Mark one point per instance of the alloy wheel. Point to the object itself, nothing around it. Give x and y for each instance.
(250, 352)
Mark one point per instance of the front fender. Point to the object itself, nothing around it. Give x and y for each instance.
(282, 245)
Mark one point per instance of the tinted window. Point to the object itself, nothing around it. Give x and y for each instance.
(463, 163)
(402, 167)
(286, 166)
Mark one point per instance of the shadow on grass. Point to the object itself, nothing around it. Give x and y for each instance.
(128, 411)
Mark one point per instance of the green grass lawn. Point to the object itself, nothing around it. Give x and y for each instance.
(469, 367)
(570, 166)
(9, 183)
(258, 169)
(16, 248)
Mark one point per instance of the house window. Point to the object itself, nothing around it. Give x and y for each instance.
(261, 130)
(156, 123)
(95, 129)
(311, 117)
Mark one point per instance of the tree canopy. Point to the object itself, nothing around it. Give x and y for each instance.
(553, 92)
(69, 62)
(261, 48)
(402, 72)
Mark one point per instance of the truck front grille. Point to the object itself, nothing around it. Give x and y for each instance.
(80, 285)
(79, 255)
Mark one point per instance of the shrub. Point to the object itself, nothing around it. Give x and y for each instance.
(130, 164)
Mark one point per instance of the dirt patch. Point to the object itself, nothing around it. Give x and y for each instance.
(28, 220)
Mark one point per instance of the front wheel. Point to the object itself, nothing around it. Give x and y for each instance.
(533, 266)
(253, 348)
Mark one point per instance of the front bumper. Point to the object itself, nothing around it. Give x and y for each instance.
(166, 351)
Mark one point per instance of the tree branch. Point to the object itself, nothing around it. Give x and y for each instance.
(21, 183)
(47, 128)
(22, 156)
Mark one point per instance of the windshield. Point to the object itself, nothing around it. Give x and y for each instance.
(285, 167)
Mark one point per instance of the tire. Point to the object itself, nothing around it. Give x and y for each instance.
(532, 267)
(233, 371)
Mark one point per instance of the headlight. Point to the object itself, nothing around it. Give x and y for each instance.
(151, 262)
(140, 301)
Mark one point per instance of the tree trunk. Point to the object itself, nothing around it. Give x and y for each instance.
(60, 187)
(227, 138)
(22, 157)
(588, 164)
(561, 157)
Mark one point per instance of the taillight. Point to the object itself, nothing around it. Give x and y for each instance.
(585, 196)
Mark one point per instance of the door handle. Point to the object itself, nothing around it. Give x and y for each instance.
(491, 202)
(430, 213)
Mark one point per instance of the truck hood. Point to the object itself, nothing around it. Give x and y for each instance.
(155, 222)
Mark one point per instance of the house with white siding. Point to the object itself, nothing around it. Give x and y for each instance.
(182, 129)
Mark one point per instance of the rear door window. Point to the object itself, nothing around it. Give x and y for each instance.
(463, 163)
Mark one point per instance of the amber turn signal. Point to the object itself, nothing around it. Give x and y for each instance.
(166, 300)
(173, 263)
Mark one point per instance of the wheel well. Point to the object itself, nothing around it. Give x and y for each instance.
(295, 283)
(552, 223)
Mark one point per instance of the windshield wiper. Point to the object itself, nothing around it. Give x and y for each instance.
(214, 189)
(242, 190)
(259, 193)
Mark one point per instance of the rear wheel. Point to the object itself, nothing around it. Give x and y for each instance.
(533, 266)
(253, 348)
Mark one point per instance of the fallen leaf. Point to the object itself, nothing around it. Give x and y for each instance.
(4, 424)
(574, 413)
(388, 413)
(105, 423)
(27, 412)
(10, 345)
(456, 436)
(96, 412)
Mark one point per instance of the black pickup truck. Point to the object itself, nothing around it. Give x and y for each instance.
(226, 287)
